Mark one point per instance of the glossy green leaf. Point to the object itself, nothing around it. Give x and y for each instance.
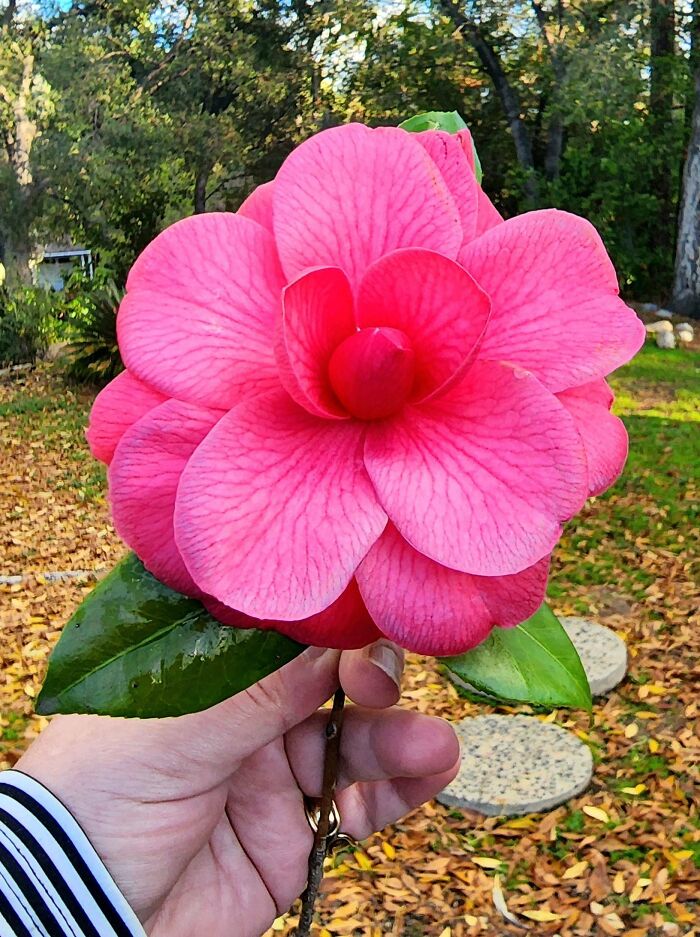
(137, 648)
(449, 121)
(534, 662)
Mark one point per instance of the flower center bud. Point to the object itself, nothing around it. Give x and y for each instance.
(372, 372)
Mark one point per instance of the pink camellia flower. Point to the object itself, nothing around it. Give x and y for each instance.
(365, 404)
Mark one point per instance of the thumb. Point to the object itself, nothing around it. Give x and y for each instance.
(221, 737)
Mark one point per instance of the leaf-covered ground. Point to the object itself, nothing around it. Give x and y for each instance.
(622, 859)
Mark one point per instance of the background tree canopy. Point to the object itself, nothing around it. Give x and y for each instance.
(119, 116)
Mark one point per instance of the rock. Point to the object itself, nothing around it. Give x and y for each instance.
(55, 350)
(666, 339)
(602, 653)
(654, 327)
(648, 307)
(513, 765)
(664, 313)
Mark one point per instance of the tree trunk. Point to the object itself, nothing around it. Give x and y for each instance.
(686, 282)
(18, 248)
(507, 94)
(662, 22)
(200, 188)
(551, 27)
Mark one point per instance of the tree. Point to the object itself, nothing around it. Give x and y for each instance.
(686, 280)
(25, 106)
(662, 86)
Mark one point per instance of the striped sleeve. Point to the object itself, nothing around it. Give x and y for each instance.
(52, 882)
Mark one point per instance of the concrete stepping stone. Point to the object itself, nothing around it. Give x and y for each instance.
(513, 765)
(602, 653)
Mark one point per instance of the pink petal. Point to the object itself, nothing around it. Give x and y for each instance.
(430, 609)
(488, 215)
(448, 154)
(143, 480)
(118, 405)
(258, 206)
(372, 372)
(345, 624)
(275, 509)
(198, 318)
(350, 194)
(555, 308)
(481, 479)
(432, 300)
(317, 316)
(464, 137)
(604, 435)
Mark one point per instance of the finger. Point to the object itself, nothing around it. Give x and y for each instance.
(219, 738)
(372, 675)
(368, 807)
(375, 746)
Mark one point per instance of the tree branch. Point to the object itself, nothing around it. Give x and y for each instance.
(507, 94)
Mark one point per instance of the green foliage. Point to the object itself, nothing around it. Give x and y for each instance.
(139, 113)
(136, 648)
(92, 357)
(534, 662)
(25, 324)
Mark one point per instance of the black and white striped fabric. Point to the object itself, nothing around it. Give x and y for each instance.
(52, 882)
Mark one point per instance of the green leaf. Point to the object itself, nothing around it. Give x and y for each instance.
(137, 648)
(534, 662)
(449, 121)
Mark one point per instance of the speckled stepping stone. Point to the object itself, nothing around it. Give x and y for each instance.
(512, 765)
(602, 653)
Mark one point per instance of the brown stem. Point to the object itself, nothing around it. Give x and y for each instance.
(319, 849)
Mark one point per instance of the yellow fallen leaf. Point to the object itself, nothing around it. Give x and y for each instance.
(656, 688)
(576, 871)
(521, 823)
(638, 789)
(447, 932)
(542, 916)
(324, 933)
(619, 884)
(636, 893)
(388, 850)
(631, 730)
(364, 862)
(346, 910)
(683, 854)
(486, 863)
(653, 746)
(499, 903)
(470, 920)
(597, 813)
(278, 924)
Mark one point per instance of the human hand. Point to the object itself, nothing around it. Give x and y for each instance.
(200, 819)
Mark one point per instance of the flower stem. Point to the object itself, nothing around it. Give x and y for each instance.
(319, 850)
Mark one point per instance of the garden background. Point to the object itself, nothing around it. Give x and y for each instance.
(119, 116)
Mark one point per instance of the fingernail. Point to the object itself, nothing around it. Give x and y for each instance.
(389, 659)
